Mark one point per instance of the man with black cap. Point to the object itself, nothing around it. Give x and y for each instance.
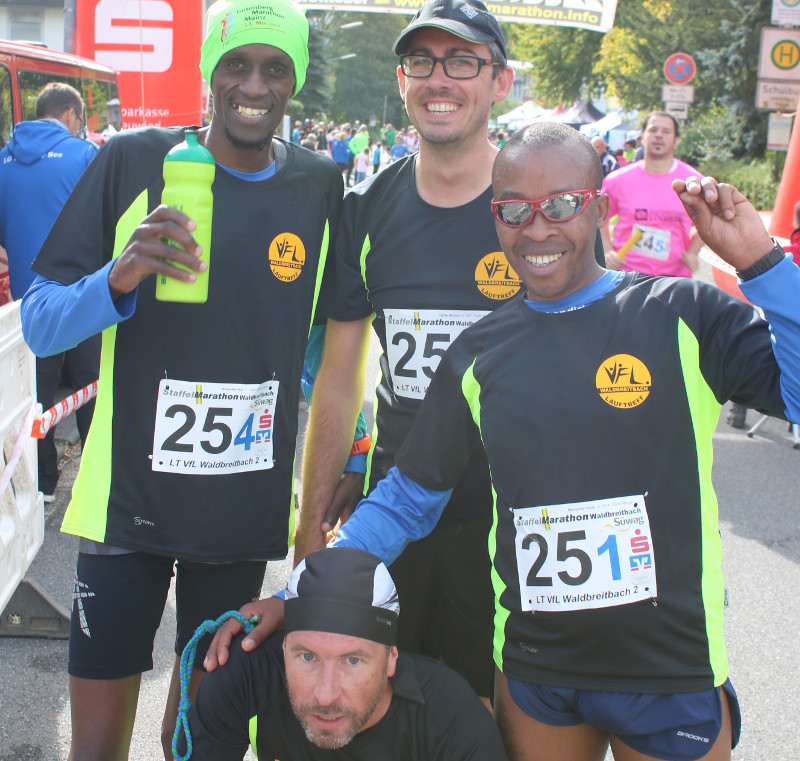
(191, 449)
(418, 249)
(332, 685)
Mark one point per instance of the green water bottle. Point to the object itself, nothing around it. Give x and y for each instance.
(188, 175)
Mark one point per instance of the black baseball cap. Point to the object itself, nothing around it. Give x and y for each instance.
(468, 19)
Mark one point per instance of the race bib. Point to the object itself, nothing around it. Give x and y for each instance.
(213, 428)
(654, 243)
(416, 342)
(584, 555)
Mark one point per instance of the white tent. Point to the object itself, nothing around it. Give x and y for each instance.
(601, 126)
(521, 115)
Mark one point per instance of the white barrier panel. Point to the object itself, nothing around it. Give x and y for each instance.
(21, 505)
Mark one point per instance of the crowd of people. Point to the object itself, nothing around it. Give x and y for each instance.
(495, 589)
(356, 147)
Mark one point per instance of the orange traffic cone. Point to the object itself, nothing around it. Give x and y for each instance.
(782, 221)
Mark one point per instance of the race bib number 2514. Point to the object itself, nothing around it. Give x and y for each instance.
(213, 428)
(584, 555)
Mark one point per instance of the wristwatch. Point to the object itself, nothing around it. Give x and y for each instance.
(768, 261)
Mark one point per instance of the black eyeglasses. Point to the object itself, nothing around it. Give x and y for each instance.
(82, 131)
(455, 66)
(558, 207)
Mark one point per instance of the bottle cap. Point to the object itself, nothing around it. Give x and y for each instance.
(190, 150)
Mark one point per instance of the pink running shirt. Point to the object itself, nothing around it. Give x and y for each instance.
(648, 202)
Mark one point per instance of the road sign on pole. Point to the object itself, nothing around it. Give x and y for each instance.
(777, 96)
(678, 110)
(779, 55)
(677, 93)
(679, 68)
(779, 131)
(785, 13)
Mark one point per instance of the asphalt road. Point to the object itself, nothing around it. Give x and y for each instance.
(758, 485)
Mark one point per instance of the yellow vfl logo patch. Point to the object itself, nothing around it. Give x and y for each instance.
(287, 255)
(495, 277)
(623, 381)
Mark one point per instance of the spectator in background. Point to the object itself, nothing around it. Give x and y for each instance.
(638, 153)
(411, 140)
(361, 166)
(629, 150)
(38, 170)
(607, 159)
(388, 135)
(358, 142)
(398, 150)
(296, 133)
(351, 133)
(322, 141)
(339, 151)
(376, 157)
(619, 155)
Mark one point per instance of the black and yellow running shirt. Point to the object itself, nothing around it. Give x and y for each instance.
(606, 569)
(192, 445)
(426, 272)
(434, 715)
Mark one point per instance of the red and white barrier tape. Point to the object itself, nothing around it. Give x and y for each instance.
(64, 408)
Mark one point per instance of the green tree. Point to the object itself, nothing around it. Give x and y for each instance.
(315, 97)
(734, 63)
(627, 62)
(564, 59)
(363, 83)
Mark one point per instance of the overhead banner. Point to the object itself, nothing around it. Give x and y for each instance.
(597, 15)
(155, 46)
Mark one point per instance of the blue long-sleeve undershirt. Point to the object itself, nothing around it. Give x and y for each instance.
(398, 511)
(56, 317)
(777, 292)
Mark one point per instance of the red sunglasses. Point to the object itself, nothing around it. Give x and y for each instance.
(558, 207)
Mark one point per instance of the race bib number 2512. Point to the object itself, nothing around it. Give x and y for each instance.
(213, 428)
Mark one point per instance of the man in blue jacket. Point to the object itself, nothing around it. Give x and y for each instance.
(38, 170)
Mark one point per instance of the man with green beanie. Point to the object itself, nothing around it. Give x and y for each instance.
(189, 465)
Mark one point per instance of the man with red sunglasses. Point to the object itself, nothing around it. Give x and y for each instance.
(607, 577)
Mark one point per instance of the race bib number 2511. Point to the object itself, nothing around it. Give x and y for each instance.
(584, 555)
(213, 428)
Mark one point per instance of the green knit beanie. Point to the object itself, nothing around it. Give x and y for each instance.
(233, 23)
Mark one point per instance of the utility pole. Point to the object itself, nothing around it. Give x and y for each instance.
(69, 25)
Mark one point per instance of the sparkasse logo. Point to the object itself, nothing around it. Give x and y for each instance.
(134, 35)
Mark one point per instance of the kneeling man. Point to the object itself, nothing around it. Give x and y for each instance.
(333, 680)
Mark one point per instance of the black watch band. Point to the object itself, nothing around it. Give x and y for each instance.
(768, 261)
